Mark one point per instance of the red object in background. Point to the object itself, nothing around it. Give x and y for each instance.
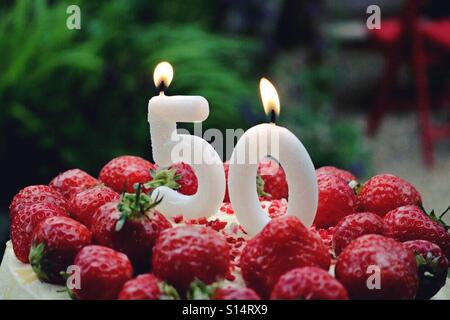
(423, 41)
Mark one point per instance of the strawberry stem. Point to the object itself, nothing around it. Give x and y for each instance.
(198, 290)
(260, 187)
(164, 177)
(39, 262)
(134, 205)
(169, 292)
(438, 218)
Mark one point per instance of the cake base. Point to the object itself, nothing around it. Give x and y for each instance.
(19, 282)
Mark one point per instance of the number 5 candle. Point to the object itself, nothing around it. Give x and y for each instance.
(163, 114)
(261, 141)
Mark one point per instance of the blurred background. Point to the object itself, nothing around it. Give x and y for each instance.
(369, 101)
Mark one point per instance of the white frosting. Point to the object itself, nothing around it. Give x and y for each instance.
(19, 282)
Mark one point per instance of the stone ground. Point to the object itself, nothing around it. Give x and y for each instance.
(396, 149)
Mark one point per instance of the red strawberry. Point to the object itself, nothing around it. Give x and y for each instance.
(103, 272)
(103, 223)
(123, 172)
(25, 221)
(235, 293)
(83, 205)
(220, 291)
(36, 194)
(326, 235)
(385, 192)
(376, 267)
(308, 283)
(73, 181)
(336, 200)
(346, 175)
(147, 287)
(411, 223)
(355, 225)
(275, 183)
(178, 176)
(432, 267)
(185, 253)
(55, 243)
(284, 244)
(130, 225)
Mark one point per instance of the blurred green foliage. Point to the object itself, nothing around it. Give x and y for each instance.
(33, 55)
(77, 98)
(214, 67)
(329, 140)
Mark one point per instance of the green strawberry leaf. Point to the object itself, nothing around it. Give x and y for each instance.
(198, 290)
(164, 177)
(135, 205)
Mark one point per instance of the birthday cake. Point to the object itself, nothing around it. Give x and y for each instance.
(87, 238)
(19, 281)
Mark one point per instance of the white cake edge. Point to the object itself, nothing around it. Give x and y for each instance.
(19, 282)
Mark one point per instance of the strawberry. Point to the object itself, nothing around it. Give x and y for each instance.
(23, 223)
(235, 293)
(130, 225)
(355, 225)
(36, 194)
(72, 181)
(283, 244)
(274, 179)
(147, 287)
(185, 253)
(103, 272)
(432, 267)
(346, 175)
(376, 267)
(121, 173)
(103, 223)
(326, 235)
(385, 192)
(220, 291)
(54, 244)
(83, 204)
(411, 223)
(336, 200)
(308, 283)
(178, 176)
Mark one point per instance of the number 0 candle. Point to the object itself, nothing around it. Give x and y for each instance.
(163, 114)
(261, 141)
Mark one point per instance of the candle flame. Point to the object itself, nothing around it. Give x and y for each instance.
(269, 96)
(163, 74)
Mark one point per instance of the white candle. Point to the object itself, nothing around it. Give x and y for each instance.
(163, 114)
(261, 141)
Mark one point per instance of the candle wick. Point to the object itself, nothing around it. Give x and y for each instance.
(273, 116)
(162, 88)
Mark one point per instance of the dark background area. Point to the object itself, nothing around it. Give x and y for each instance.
(78, 98)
